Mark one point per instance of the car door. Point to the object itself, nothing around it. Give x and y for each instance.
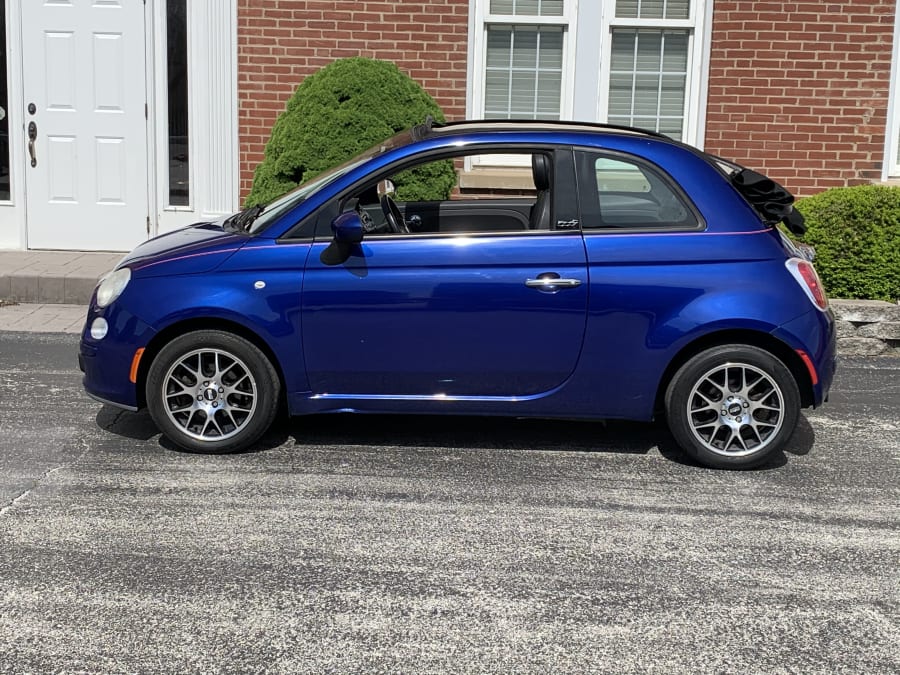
(492, 314)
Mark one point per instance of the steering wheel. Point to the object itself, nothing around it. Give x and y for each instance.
(394, 217)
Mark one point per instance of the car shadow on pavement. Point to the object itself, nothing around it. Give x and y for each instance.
(134, 425)
(467, 432)
(139, 426)
(497, 433)
(803, 439)
(473, 432)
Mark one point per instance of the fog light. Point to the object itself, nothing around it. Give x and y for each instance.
(99, 328)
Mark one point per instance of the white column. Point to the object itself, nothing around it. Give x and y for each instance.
(212, 26)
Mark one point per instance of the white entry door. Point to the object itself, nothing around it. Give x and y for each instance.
(84, 68)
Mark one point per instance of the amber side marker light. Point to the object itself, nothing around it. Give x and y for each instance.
(135, 364)
(809, 366)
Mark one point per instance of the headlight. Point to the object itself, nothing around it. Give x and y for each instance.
(112, 285)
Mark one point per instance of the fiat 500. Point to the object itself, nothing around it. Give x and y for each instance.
(568, 270)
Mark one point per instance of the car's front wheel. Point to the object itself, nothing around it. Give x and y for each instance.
(732, 406)
(212, 392)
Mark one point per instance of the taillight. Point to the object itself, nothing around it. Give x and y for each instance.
(806, 275)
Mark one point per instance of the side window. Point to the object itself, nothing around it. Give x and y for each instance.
(618, 193)
(462, 195)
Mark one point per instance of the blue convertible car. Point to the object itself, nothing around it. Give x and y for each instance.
(573, 271)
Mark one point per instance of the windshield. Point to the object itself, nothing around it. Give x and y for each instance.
(289, 200)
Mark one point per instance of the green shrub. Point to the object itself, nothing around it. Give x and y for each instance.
(856, 234)
(338, 112)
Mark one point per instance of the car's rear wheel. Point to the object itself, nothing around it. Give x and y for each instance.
(212, 392)
(732, 406)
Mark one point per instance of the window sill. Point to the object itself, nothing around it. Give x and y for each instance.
(497, 178)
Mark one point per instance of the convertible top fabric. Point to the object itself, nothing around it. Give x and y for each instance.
(771, 200)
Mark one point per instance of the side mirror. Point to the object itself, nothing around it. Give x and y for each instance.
(347, 228)
(348, 231)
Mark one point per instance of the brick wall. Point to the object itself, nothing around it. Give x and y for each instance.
(796, 90)
(800, 90)
(280, 42)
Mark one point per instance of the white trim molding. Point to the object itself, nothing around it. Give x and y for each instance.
(890, 167)
(12, 213)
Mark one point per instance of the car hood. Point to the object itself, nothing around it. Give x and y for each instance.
(190, 250)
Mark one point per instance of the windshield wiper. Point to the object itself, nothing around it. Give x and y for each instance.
(241, 221)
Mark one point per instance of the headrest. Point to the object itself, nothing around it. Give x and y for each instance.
(540, 171)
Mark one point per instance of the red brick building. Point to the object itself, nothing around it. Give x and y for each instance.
(121, 119)
(802, 91)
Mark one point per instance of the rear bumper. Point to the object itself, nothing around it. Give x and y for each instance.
(814, 334)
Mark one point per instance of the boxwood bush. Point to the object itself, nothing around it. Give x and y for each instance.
(340, 111)
(856, 234)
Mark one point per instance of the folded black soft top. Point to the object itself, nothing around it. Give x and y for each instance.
(771, 200)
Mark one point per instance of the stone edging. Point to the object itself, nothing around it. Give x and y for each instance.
(867, 327)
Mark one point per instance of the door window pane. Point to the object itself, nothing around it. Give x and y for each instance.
(620, 194)
(176, 45)
(4, 107)
(648, 79)
(523, 77)
(478, 202)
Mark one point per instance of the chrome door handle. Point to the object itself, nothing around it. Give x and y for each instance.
(550, 281)
(32, 137)
(558, 283)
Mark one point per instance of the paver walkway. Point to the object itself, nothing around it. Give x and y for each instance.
(42, 318)
(52, 277)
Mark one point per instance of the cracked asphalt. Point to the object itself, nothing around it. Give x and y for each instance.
(417, 545)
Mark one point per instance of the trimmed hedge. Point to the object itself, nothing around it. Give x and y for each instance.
(856, 234)
(340, 111)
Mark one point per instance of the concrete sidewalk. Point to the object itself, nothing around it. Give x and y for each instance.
(48, 291)
(52, 277)
(42, 318)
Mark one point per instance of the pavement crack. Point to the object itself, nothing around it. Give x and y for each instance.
(111, 424)
(36, 484)
(40, 480)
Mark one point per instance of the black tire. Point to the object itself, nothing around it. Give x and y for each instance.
(732, 406)
(212, 392)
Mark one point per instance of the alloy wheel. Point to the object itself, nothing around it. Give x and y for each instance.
(735, 409)
(209, 394)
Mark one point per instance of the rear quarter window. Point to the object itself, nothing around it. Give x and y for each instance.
(618, 193)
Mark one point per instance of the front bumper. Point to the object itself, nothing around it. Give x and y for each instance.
(112, 403)
(106, 363)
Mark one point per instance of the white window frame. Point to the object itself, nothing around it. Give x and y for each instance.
(213, 126)
(162, 118)
(891, 164)
(698, 23)
(479, 20)
(586, 57)
(12, 211)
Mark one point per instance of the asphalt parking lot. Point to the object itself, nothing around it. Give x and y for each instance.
(421, 544)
